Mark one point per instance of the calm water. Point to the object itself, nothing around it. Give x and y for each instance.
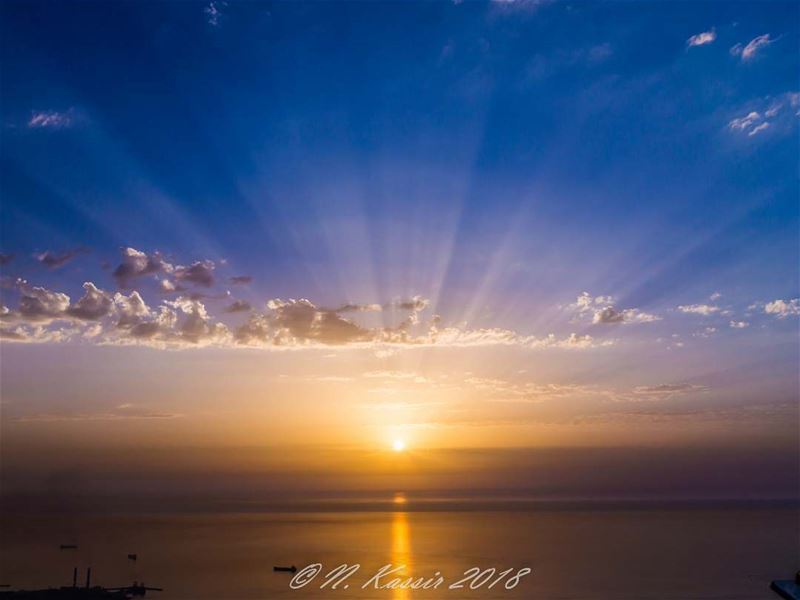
(637, 554)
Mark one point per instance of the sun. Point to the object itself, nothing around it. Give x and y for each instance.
(398, 445)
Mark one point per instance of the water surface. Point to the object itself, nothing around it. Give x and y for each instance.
(666, 553)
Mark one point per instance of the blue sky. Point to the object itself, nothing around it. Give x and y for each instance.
(559, 128)
(492, 160)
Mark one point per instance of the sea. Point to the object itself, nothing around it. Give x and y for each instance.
(401, 549)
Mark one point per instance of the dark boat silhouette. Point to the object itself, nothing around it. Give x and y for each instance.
(291, 569)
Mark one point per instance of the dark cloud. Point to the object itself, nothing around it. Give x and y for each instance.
(52, 260)
(415, 304)
(300, 322)
(198, 273)
(238, 306)
(257, 329)
(359, 308)
(137, 264)
(241, 279)
(5, 259)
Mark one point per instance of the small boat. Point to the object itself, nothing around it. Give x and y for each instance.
(291, 569)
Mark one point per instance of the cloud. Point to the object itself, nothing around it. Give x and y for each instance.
(214, 12)
(12, 334)
(746, 123)
(51, 119)
(99, 317)
(131, 310)
(701, 39)
(241, 279)
(608, 315)
(197, 325)
(460, 338)
(715, 296)
(669, 389)
(345, 308)
(603, 312)
(137, 264)
(758, 128)
(294, 322)
(783, 308)
(519, 4)
(198, 273)
(51, 260)
(771, 112)
(748, 52)
(699, 309)
(121, 412)
(299, 323)
(5, 259)
(38, 304)
(28, 333)
(739, 324)
(415, 304)
(95, 304)
(238, 306)
(168, 287)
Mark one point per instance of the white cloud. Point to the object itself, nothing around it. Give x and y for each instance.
(701, 39)
(739, 324)
(748, 52)
(51, 119)
(699, 309)
(783, 308)
(603, 312)
(95, 304)
(745, 123)
(776, 112)
(758, 128)
(715, 296)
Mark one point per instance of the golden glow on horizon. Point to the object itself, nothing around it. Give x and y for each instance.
(399, 445)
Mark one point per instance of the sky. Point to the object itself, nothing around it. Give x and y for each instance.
(528, 239)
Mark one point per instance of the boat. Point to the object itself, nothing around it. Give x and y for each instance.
(291, 569)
